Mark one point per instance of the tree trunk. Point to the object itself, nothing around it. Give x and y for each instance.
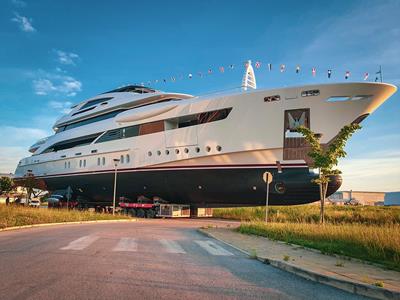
(323, 190)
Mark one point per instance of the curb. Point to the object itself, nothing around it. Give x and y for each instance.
(66, 223)
(346, 285)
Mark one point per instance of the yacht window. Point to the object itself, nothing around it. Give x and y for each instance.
(80, 163)
(104, 161)
(272, 98)
(69, 164)
(338, 98)
(82, 111)
(127, 158)
(67, 144)
(84, 162)
(98, 161)
(94, 102)
(310, 93)
(132, 89)
(91, 120)
(122, 159)
(169, 124)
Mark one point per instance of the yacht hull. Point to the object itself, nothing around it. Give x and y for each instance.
(201, 187)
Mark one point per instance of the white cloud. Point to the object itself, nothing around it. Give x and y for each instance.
(10, 156)
(24, 23)
(66, 58)
(56, 84)
(61, 106)
(21, 135)
(379, 171)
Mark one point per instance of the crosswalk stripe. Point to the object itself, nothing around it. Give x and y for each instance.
(172, 246)
(81, 243)
(126, 244)
(213, 248)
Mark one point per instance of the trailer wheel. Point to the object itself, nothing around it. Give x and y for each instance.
(140, 213)
(150, 214)
(132, 212)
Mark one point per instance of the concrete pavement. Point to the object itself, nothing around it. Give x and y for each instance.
(148, 259)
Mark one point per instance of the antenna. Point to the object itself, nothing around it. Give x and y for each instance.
(249, 78)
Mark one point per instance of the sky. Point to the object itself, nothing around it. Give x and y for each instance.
(57, 53)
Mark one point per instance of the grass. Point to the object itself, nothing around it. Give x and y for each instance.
(376, 215)
(378, 244)
(18, 216)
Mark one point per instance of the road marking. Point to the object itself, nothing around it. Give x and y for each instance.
(126, 244)
(213, 248)
(81, 243)
(172, 246)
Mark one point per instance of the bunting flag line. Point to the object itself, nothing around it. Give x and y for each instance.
(259, 64)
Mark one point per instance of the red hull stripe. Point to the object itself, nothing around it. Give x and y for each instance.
(144, 169)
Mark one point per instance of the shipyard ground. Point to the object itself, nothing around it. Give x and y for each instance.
(148, 259)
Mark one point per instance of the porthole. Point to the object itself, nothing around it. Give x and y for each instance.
(186, 150)
(149, 153)
(208, 149)
(197, 149)
(158, 152)
(280, 187)
(219, 148)
(177, 151)
(167, 152)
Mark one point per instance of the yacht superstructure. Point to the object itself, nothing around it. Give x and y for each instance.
(207, 151)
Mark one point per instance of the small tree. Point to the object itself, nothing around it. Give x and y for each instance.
(325, 160)
(6, 185)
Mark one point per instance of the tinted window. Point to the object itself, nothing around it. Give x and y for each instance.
(94, 102)
(67, 144)
(92, 120)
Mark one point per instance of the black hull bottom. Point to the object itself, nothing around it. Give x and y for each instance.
(224, 187)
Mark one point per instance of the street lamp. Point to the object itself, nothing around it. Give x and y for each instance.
(116, 161)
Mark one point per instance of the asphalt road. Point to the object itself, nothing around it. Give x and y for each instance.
(148, 259)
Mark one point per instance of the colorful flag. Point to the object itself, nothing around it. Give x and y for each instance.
(270, 67)
(314, 71)
(222, 69)
(297, 69)
(258, 64)
(366, 75)
(283, 68)
(347, 75)
(329, 73)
